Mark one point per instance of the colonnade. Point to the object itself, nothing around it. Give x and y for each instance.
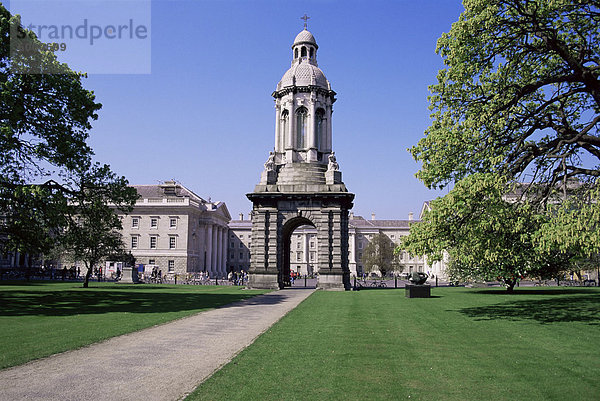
(213, 249)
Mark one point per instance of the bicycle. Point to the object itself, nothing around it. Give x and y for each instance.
(380, 284)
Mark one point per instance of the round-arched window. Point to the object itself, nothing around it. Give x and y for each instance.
(320, 127)
(301, 117)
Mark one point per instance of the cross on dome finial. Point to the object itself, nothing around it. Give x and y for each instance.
(305, 18)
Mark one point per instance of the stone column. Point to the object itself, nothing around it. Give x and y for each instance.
(215, 258)
(312, 121)
(209, 247)
(327, 134)
(291, 136)
(277, 128)
(201, 245)
(224, 240)
(263, 267)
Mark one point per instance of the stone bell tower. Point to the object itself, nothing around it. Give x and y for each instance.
(301, 183)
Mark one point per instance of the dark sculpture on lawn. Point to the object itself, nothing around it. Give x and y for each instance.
(418, 278)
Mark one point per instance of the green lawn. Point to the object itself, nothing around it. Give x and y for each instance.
(38, 319)
(463, 344)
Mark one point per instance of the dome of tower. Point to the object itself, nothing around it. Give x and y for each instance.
(305, 37)
(303, 74)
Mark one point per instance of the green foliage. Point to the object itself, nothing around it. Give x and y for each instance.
(485, 236)
(521, 87)
(520, 99)
(45, 116)
(92, 231)
(379, 255)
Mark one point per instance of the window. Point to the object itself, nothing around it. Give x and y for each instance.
(135, 222)
(241, 255)
(360, 256)
(151, 261)
(299, 256)
(298, 245)
(312, 244)
(232, 244)
(303, 51)
(319, 128)
(241, 236)
(134, 242)
(301, 117)
(360, 244)
(172, 242)
(393, 236)
(153, 242)
(172, 222)
(171, 265)
(232, 255)
(154, 222)
(312, 256)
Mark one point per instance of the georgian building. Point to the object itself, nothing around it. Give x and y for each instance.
(177, 231)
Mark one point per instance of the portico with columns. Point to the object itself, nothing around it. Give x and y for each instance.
(177, 231)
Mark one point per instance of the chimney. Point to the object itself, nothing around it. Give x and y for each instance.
(410, 216)
(241, 216)
(351, 215)
(372, 216)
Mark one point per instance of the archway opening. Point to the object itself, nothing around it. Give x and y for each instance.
(299, 254)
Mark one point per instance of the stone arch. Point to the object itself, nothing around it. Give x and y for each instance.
(287, 229)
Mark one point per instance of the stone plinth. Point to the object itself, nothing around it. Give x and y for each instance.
(333, 177)
(418, 291)
(130, 275)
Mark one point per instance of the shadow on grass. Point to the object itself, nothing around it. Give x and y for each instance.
(584, 309)
(132, 300)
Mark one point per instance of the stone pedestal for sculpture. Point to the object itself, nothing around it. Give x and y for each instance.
(130, 275)
(418, 291)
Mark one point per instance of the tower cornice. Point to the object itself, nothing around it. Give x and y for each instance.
(305, 89)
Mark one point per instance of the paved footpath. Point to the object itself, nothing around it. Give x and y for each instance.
(160, 363)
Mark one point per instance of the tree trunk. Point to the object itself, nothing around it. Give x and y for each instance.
(510, 285)
(88, 274)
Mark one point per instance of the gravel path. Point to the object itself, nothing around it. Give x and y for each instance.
(160, 363)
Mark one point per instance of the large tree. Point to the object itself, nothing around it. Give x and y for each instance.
(520, 99)
(379, 255)
(93, 228)
(486, 236)
(45, 117)
(520, 94)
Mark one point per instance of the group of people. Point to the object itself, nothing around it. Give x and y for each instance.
(237, 278)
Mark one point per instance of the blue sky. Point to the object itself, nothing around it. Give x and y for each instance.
(204, 116)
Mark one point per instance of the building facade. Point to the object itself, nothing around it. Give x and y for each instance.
(177, 231)
(304, 245)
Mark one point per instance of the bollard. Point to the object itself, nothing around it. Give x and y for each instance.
(436, 281)
(395, 281)
(176, 279)
(305, 280)
(216, 280)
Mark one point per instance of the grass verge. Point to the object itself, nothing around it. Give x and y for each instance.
(463, 344)
(38, 319)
